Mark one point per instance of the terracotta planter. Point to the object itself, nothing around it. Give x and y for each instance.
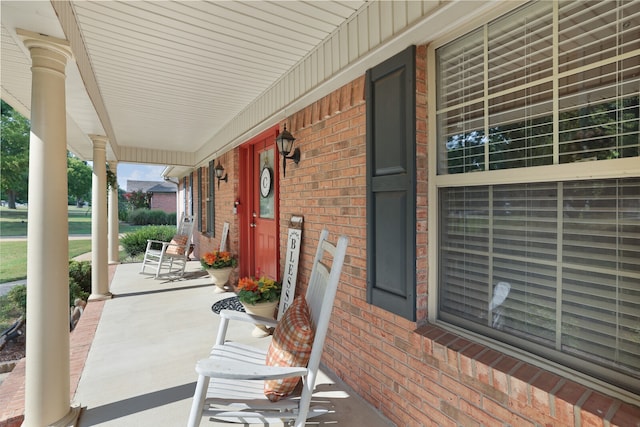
(220, 277)
(264, 309)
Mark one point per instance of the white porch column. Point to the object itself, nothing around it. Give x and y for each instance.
(114, 230)
(99, 266)
(47, 388)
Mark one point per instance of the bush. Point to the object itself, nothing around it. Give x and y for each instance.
(80, 274)
(135, 243)
(10, 311)
(18, 297)
(172, 218)
(139, 217)
(14, 303)
(76, 291)
(158, 217)
(151, 217)
(123, 213)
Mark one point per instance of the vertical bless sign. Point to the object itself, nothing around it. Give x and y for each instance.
(291, 264)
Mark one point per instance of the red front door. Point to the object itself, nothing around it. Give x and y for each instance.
(260, 242)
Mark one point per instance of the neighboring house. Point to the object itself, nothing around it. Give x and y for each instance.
(162, 194)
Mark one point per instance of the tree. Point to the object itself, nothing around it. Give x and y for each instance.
(14, 155)
(79, 176)
(138, 200)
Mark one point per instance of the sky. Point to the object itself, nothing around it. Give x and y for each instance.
(137, 172)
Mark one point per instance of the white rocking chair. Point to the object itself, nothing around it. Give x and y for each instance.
(170, 258)
(231, 381)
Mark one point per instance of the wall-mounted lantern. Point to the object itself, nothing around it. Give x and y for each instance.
(285, 144)
(219, 173)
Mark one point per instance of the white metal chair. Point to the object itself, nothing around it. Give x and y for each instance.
(170, 258)
(230, 382)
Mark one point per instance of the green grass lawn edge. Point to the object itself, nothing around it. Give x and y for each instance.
(14, 254)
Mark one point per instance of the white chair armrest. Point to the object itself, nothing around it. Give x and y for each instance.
(249, 318)
(157, 241)
(233, 369)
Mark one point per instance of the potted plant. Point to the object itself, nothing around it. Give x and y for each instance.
(259, 297)
(219, 265)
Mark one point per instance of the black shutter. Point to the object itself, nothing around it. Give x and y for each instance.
(184, 186)
(391, 184)
(211, 205)
(191, 193)
(199, 199)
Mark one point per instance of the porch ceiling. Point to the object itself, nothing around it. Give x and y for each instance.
(163, 75)
(177, 83)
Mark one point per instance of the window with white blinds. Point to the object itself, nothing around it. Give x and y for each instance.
(548, 265)
(498, 87)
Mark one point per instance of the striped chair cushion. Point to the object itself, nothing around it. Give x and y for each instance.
(177, 245)
(290, 346)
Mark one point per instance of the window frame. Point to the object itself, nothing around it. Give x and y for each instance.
(557, 172)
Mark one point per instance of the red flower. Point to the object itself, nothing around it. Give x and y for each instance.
(247, 284)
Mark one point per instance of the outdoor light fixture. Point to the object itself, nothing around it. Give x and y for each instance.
(219, 172)
(285, 144)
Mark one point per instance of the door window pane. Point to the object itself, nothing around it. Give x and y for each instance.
(265, 174)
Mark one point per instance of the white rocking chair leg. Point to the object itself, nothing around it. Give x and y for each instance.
(145, 259)
(198, 401)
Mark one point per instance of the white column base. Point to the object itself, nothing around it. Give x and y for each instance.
(69, 420)
(100, 297)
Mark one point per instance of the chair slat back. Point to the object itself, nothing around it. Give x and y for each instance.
(186, 226)
(323, 286)
(318, 279)
(320, 296)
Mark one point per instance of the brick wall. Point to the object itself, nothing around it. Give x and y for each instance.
(164, 201)
(225, 195)
(416, 374)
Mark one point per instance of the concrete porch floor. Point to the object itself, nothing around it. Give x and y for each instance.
(139, 370)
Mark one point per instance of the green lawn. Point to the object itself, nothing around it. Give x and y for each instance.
(14, 255)
(13, 223)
